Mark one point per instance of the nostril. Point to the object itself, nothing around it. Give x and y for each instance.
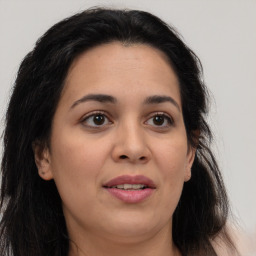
(142, 158)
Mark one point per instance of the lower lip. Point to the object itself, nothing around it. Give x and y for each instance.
(131, 196)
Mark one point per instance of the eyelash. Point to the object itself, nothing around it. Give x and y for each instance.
(170, 121)
(93, 115)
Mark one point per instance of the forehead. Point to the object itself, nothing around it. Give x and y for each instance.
(119, 68)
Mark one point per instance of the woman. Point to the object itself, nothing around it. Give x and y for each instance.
(106, 148)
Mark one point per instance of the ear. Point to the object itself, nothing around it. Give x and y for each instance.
(191, 154)
(190, 159)
(42, 160)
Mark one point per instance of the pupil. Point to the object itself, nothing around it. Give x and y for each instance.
(99, 119)
(158, 120)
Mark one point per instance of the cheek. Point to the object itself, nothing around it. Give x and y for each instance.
(172, 161)
(172, 158)
(76, 164)
(76, 154)
(76, 169)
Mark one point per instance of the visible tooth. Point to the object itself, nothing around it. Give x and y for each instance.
(137, 186)
(128, 186)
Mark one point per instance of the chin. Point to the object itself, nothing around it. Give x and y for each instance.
(132, 227)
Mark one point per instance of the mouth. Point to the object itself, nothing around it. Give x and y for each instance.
(130, 189)
(129, 186)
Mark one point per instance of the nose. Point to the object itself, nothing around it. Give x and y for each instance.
(131, 145)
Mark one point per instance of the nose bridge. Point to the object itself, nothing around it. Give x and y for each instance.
(133, 136)
(130, 142)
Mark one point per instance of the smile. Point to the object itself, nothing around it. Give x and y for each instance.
(130, 186)
(130, 189)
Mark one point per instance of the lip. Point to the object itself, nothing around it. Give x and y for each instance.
(130, 196)
(127, 179)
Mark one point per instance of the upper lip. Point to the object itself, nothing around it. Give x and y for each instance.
(127, 179)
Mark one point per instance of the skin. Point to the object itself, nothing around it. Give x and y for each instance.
(83, 156)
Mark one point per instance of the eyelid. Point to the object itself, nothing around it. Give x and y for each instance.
(167, 116)
(93, 113)
(164, 114)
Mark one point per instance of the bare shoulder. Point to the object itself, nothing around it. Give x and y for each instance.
(245, 243)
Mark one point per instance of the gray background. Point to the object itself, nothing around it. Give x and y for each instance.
(223, 35)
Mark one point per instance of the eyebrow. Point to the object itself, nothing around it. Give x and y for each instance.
(157, 99)
(95, 97)
(104, 98)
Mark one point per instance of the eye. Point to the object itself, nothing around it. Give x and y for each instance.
(160, 120)
(96, 119)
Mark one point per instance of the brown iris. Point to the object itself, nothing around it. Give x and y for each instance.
(158, 120)
(99, 119)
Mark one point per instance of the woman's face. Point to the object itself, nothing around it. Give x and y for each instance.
(119, 121)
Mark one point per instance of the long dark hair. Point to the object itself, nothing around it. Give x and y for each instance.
(33, 222)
